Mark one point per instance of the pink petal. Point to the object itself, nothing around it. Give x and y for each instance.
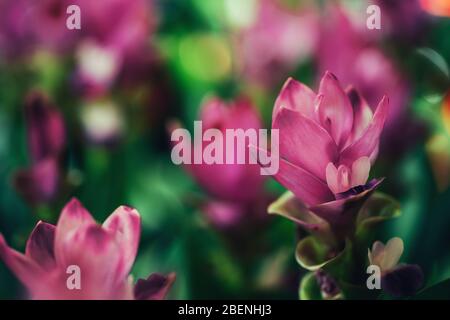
(45, 125)
(332, 178)
(335, 110)
(26, 270)
(224, 214)
(40, 245)
(73, 217)
(297, 97)
(310, 190)
(95, 251)
(360, 171)
(40, 182)
(362, 114)
(343, 177)
(304, 143)
(125, 224)
(368, 142)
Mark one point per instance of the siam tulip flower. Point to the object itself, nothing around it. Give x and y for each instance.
(328, 142)
(240, 114)
(372, 73)
(235, 188)
(295, 33)
(46, 139)
(396, 279)
(103, 254)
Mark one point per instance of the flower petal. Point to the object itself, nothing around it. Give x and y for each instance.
(335, 111)
(40, 182)
(332, 177)
(304, 143)
(125, 224)
(362, 114)
(368, 142)
(404, 280)
(360, 171)
(393, 252)
(73, 217)
(46, 134)
(95, 251)
(297, 97)
(310, 190)
(376, 255)
(40, 245)
(26, 270)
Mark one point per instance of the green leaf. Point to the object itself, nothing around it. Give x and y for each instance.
(309, 288)
(313, 254)
(377, 209)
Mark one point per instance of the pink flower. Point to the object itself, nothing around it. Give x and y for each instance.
(46, 140)
(231, 182)
(120, 26)
(343, 44)
(104, 255)
(295, 33)
(114, 33)
(235, 188)
(328, 142)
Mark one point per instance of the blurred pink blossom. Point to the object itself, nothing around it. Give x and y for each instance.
(104, 254)
(236, 189)
(232, 182)
(351, 55)
(328, 142)
(278, 41)
(46, 141)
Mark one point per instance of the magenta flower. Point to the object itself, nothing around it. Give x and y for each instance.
(328, 142)
(103, 255)
(236, 189)
(295, 33)
(373, 73)
(231, 182)
(14, 35)
(113, 33)
(46, 140)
